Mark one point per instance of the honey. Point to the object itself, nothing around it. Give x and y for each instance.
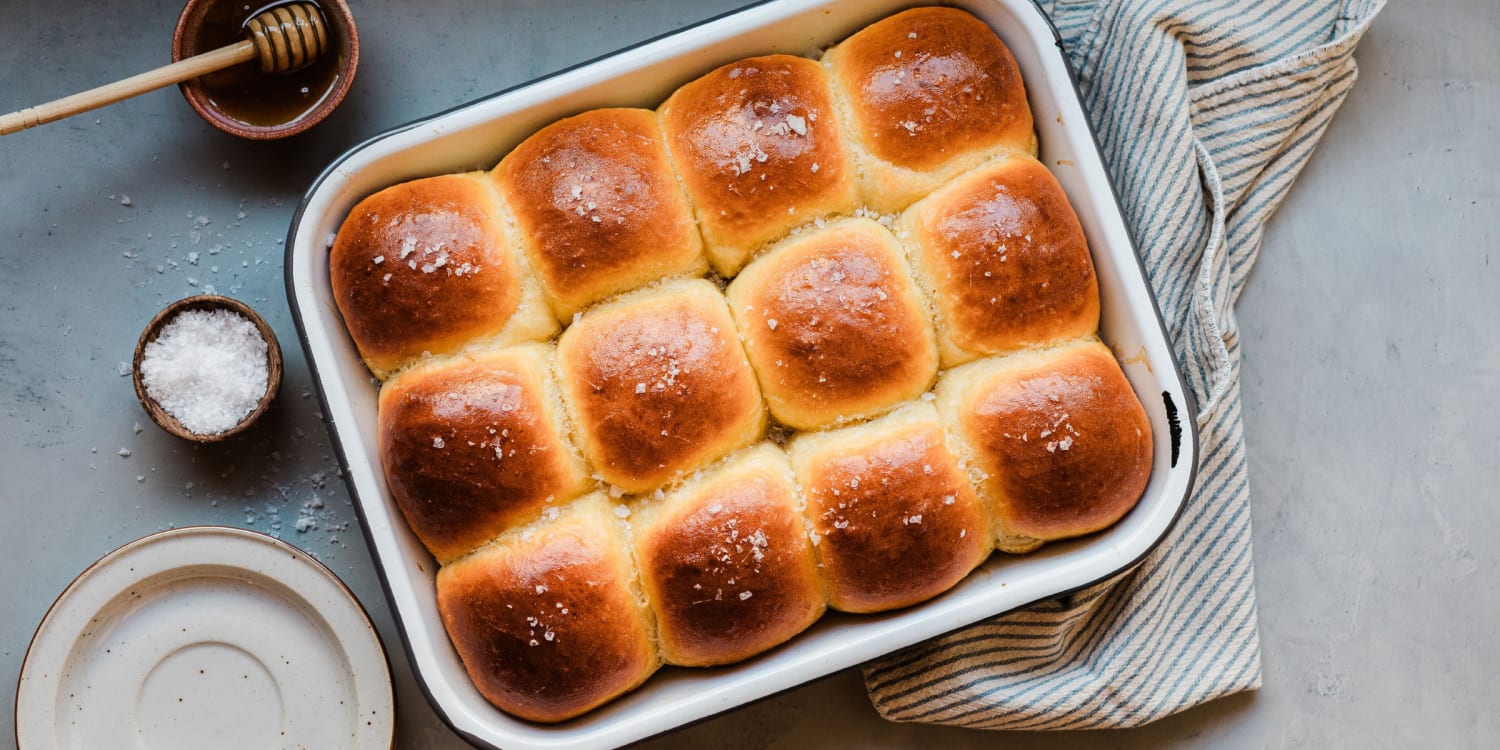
(246, 94)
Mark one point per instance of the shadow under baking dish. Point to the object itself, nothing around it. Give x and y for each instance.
(478, 134)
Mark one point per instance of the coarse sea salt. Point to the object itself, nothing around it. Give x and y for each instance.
(207, 368)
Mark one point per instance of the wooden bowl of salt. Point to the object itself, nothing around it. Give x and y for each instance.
(206, 368)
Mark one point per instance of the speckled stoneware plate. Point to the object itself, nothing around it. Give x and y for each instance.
(205, 637)
(477, 134)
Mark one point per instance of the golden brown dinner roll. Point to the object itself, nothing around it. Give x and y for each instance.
(657, 384)
(834, 325)
(597, 207)
(1059, 442)
(895, 519)
(927, 94)
(1004, 259)
(472, 445)
(726, 562)
(758, 146)
(424, 267)
(546, 619)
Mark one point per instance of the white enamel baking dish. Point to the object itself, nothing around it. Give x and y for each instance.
(476, 135)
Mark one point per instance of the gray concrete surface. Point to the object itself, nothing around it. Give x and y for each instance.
(1372, 362)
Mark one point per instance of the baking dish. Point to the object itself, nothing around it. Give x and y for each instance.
(476, 135)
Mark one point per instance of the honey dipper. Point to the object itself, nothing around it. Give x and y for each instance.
(282, 39)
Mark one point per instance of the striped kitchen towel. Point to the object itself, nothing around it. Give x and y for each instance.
(1206, 110)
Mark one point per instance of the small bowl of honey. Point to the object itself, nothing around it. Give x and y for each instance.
(245, 102)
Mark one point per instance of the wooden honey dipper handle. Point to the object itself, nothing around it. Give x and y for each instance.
(283, 39)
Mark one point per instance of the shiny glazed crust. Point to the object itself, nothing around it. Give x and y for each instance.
(424, 267)
(474, 445)
(1060, 441)
(658, 384)
(927, 94)
(1004, 258)
(834, 325)
(897, 520)
(597, 207)
(726, 562)
(758, 145)
(547, 620)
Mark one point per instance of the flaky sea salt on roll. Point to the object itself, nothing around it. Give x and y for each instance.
(759, 149)
(547, 619)
(1058, 441)
(834, 325)
(1004, 260)
(597, 207)
(658, 385)
(424, 267)
(896, 518)
(726, 562)
(473, 445)
(926, 94)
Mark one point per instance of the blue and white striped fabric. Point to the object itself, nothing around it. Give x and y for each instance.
(1207, 110)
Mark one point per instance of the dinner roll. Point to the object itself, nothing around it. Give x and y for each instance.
(657, 384)
(895, 518)
(547, 620)
(758, 146)
(1004, 259)
(474, 444)
(726, 562)
(597, 207)
(1058, 439)
(834, 325)
(423, 267)
(927, 94)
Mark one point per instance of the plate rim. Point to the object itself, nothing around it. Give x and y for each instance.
(269, 542)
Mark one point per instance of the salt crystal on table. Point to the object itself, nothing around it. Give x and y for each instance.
(125, 200)
(207, 368)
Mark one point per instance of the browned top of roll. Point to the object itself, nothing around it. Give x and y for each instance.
(758, 147)
(475, 446)
(727, 564)
(1064, 440)
(834, 325)
(547, 625)
(598, 206)
(931, 83)
(658, 384)
(422, 266)
(898, 520)
(1007, 259)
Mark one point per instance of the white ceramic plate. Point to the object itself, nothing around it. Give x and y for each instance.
(205, 637)
(476, 135)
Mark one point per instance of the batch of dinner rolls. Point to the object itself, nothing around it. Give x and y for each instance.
(664, 386)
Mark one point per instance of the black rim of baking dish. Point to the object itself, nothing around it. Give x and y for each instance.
(1179, 415)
